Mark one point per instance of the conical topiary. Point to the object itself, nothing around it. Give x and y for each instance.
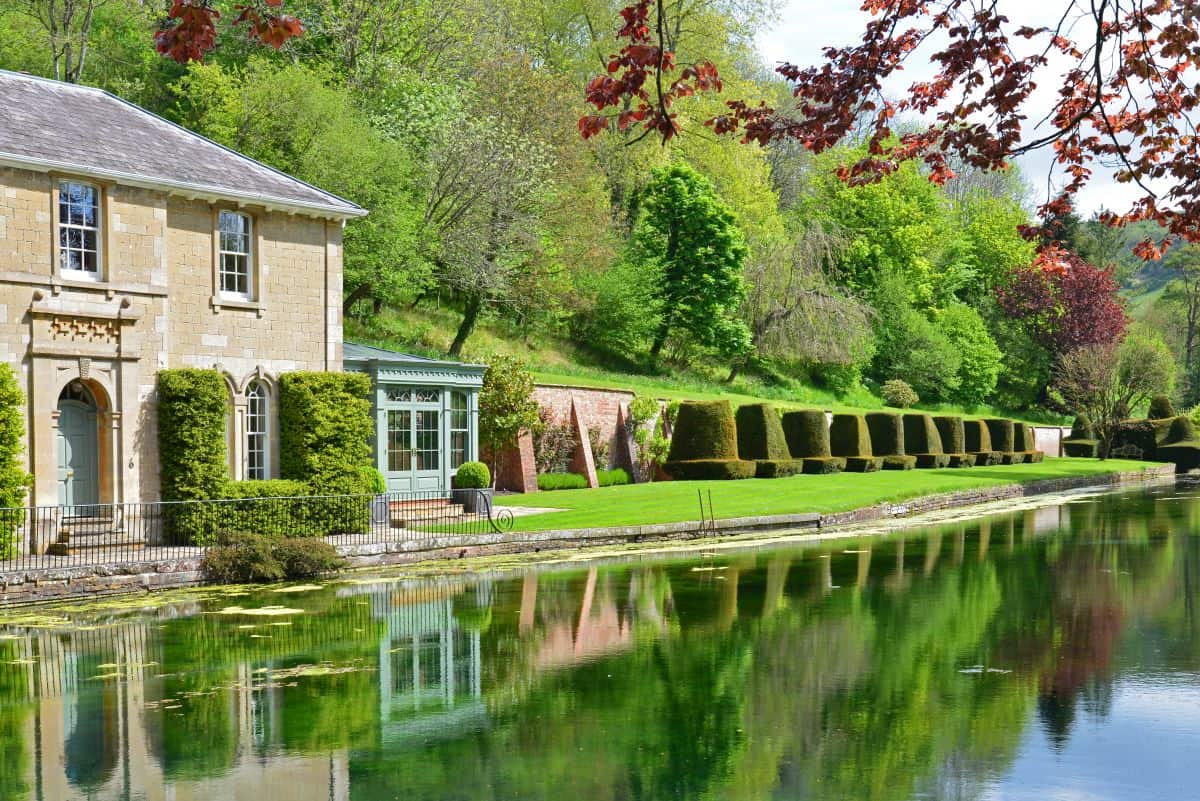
(1161, 408)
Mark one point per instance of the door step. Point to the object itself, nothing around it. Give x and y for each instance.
(74, 538)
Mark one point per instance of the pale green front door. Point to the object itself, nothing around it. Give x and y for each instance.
(78, 454)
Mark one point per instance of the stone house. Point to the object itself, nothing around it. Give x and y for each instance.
(128, 245)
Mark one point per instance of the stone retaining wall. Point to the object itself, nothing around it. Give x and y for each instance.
(49, 585)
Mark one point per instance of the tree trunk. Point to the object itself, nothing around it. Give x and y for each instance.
(660, 338)
(360, 292)
(733, 371)
(470, 317)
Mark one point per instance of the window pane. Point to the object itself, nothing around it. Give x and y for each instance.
(78, 227)
(428, 436)
(256, 432)
(399, 441)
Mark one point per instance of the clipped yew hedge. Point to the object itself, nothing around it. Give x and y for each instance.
(760, 433)
(193, 410)
(710, 469)
(952, 433)
(850, 439)
(1002, 434)
(778, 468)
(703, 430)
(978, 441)
(807, 433)
(1181, 446)
(325, 431)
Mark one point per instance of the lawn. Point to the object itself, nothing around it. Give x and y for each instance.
(676, 501)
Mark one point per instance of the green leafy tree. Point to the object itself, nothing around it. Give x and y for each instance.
(506, 406)
(980, 357)
(690, 238)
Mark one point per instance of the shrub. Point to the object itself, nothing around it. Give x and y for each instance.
(824, 465)
(898, 393)
(506, 403)
(709, 469)
(600, 447)
(899, 462)
(887, 434)
(193, 407)
(1182, 430)
(921, 435)
(981, 359)
(1161, 408)
(778, 468)
(651, 441)
(1081, 448)
(849, 436)
(307, 558)
(472, 475)
(704, 430)
(242, 557)
(807, 433)
(864, 464)
(1024, 437)
(612, 478)
(977, 436)
(14, 481)
(561, 481)
(326, 430)
(760, 433)
(1002, 434)
(375, 480)
(553, 443)
(952, 432)
(1082, 428)
(1141, 434)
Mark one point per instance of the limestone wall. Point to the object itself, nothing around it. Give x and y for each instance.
(155, 305)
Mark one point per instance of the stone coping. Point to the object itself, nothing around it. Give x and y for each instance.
(47, 584)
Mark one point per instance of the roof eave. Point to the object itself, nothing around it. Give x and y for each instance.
(199, 191)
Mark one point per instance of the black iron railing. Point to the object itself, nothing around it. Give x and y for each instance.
(50, 537)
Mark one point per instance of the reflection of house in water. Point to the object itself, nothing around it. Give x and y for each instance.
(92, 728)
(429, 666)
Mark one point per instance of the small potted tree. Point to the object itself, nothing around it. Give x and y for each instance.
(472, 487)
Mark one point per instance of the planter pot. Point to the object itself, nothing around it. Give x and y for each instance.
(381, 512)
(474, 501)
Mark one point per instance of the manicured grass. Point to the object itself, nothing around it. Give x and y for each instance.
(676, 501)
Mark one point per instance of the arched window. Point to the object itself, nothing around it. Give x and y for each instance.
(257, 451)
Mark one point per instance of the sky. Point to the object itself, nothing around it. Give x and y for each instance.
(805, 27)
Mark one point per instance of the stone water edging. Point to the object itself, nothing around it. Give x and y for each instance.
(55, 583)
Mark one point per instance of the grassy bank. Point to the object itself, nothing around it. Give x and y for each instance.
(676, 501)
(427, 332)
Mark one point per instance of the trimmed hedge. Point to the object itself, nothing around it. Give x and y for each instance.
(807, 433)
(1024, 438)
(824, 465)
(710, 469)
(977, 437)
(927, 461)
(887, 434)
(849, 436)
(472, 475)
(1082, 427)
(952, 432)
(1011, 457)
(193, 410)
(962, 459)
(1182, 430)
(1161, 408)
(561, 481)
(704, 430)
(898, 462)
(14, 481)
(921, 434)
(864, 464)
(613, 478)
(760, 433)
(778, 468)
(1002, 434)
(1081, 448)
(325, 431)
(1145, 435)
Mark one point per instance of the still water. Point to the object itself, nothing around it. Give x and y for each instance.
(1051, 653)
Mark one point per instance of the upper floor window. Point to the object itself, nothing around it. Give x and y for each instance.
(233, 254)
(257, 452)
(79, 229)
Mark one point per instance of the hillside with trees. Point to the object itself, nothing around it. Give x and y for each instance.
(495, 225)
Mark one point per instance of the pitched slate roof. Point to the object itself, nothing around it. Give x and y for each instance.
(48, 125)
(354, 352)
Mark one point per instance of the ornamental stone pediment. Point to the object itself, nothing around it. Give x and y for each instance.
(73, 328)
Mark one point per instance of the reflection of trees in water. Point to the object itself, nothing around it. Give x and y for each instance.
(14, 715)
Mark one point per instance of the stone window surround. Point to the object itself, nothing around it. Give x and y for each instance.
(221, 301)
(103, 233)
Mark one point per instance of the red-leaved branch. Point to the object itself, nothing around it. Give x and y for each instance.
(191, 32)
(1127, 75)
